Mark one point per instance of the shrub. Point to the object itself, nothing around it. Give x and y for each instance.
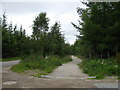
(100, 67)
(46, 65)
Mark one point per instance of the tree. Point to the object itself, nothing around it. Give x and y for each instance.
(40, 26)
(14, 40)
(5, 36)
(43, 42)
(100, 30)
(56, 40)
(40, 30)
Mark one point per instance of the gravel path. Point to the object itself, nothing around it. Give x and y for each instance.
(69, 70)
(9, 63)
(66, 72)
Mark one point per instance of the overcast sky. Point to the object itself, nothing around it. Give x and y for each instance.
(23, 13)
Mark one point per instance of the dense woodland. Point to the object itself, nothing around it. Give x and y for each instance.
(99, 27)
(44, 40)
(44, 50)
(98, 43)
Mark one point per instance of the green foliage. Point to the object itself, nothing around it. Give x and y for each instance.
(45, 65)
(16, 43)
(100, 67)
(99, 38)
(13, 39)
(57, 42)
(99, 34)
(18, 68)
(48, 43)
(40, 30)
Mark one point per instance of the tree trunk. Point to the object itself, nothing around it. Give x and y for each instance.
(108, 55)
(101, 55)
(44, 54)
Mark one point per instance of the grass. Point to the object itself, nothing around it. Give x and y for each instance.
(100, 67)
(10, 59)
(44, 66)
(19, 68)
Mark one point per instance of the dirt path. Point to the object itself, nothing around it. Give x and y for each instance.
(71, 80)
(9, 63)
(69, 70)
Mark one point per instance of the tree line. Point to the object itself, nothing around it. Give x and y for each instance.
(99, 29)
(44, 40)
(13, 39)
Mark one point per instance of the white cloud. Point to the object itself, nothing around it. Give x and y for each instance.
(68, 17)
(25, 13)
(42, 0)
(25, 20)
(71, 39)
(67, 28)
(52, 17)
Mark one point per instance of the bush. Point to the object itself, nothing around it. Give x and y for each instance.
(100, 67)
(45, 66)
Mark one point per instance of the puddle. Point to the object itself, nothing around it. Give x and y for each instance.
(9, 83)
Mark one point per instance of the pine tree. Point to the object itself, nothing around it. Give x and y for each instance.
(56, 39)
(100, 29)
(40, 30)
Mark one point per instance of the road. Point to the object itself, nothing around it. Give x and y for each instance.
(71, 77)
(69, 70)
(9, 63)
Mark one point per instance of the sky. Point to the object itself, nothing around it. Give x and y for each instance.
(23, 13)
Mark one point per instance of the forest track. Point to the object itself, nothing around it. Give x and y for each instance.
(14, 80)
(69, 70)
(9, 63)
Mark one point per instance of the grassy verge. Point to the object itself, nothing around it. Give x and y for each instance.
(10, 59)
(44, 66)
(100, 67)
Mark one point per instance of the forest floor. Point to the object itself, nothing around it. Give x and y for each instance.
(66, 76)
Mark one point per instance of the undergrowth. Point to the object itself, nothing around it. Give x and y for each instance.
(45, 66)
(100, 67)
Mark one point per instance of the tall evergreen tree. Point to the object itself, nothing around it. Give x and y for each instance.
(99, 29)
(56, 39)
(40, 29)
